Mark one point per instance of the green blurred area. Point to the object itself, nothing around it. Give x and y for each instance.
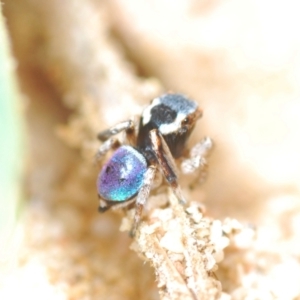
(11, 143)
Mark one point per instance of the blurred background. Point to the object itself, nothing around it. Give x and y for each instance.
(72, 68)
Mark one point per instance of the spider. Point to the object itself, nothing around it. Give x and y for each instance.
(163, 130)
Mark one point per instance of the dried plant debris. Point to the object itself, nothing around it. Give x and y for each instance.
(179, 244)
(197, 257)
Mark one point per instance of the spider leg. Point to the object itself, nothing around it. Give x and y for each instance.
(142, 197)
(197, 159)
(107, 136)
(111, 143)
(166, 162)
(127, 126)
(103, 205)
(106, 205)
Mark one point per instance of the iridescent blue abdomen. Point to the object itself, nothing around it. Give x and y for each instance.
(122, 176)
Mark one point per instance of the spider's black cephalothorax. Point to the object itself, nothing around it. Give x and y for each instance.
(163, 130)
(174, 116)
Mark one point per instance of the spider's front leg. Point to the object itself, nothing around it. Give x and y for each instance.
(107, 136)
(197, 159)
(166, 162)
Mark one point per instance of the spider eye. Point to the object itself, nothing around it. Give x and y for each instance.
(185, 121)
